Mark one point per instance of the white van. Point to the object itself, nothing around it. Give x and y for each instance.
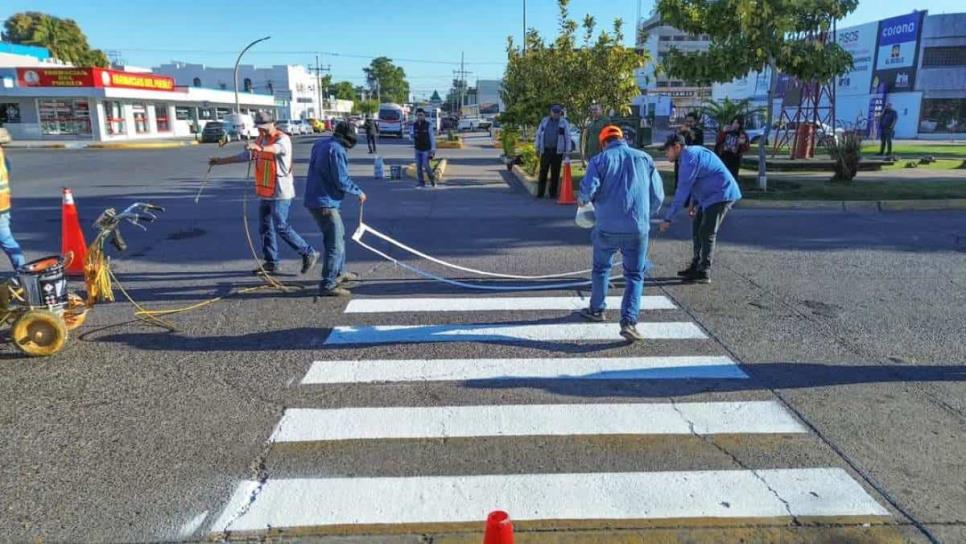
(391, 120)
(240, 126)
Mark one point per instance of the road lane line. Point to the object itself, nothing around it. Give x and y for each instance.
(315, 502)
(551, 332)
(702, 418)
(490, 304)
(597, 368)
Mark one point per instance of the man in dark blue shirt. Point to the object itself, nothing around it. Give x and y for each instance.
(887, 129)
(326, 185)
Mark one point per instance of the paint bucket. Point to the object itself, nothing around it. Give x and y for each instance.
(395, 172)
(44, 282)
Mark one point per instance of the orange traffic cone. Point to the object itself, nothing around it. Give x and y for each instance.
(499, 530)
(72, 237)
(566, 195)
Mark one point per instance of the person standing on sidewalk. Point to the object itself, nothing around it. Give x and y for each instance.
(693, 133)
(326, 185)
(275, 186)
(887, 129)
(7, 241)
(626, 190)
(591, 136)
(712, 190)
(425, 143)
(554, 145)
(372, 133)
(732, 144)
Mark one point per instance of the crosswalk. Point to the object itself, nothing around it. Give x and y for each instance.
(311, 498)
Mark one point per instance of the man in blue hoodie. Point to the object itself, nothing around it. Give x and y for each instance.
(712, 190)
(326, 185)
(626, 190)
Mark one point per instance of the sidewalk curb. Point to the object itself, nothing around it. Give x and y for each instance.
(856, 205)
(140, 145)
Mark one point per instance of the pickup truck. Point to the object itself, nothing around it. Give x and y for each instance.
(473, 123)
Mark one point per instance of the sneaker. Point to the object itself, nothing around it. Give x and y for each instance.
(267, 268)
(308, 261)
(346, 277)
(420, 185)
(689, 271)
(335, 292)
(700, 276)
(630, 333)
(591, 315)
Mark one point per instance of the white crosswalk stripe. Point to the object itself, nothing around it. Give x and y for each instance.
(318, 502)
(491, 304)
(701, 418)
(641, 495)
(598, 368)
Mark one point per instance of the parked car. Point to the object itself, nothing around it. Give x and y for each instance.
(240, 126)
(468, 124)
(214, 131)
(317, 126)
(823, 133)
(287, 127)
(299, 127)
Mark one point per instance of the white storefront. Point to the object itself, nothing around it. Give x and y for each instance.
(108, 105)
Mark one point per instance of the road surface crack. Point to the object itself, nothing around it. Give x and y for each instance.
(709, 439)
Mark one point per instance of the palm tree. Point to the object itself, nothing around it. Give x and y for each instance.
(724, 111)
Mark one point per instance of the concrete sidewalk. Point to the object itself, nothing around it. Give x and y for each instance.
(165, 143)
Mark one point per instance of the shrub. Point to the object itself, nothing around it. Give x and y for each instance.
(529, 158)
(508, 141)
(847, 153)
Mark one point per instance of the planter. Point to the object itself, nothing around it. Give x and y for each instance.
(529, 183)
(447, 144)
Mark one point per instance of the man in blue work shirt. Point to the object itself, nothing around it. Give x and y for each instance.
(713, 191)
(326, 185)
(626, 190)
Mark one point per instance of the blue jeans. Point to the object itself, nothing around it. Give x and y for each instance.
(633, 249)
(333, 238)
(422, 162)
(273, 219)
(10, 245)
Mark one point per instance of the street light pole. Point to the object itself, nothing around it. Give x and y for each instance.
(524, 26)
(249, 46)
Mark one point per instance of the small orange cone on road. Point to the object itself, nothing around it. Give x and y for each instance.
(499, 530)
(566, 195)
(72, 237)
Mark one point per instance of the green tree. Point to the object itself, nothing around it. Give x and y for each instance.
(387, 80)
(572, 73)
(63, 37)
(343, 90)
(757, 35)
(366, 107)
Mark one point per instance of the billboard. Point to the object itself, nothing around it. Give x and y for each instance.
(860, 43)
(92, 77)
(897, 53)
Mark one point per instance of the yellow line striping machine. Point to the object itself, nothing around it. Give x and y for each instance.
(36, 302)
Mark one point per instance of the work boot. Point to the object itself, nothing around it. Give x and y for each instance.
(346, 277)
(630, 333)
(591, 315)
(267, 268)
(700, 276)
(335, 292)
(689, 271)
(308, 261)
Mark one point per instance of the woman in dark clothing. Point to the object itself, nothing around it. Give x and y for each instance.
(732, 143)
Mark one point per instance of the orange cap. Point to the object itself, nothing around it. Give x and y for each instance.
(608, 132)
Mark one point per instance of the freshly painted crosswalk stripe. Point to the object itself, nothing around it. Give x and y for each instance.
(597, 368)
(552, 332)
(289, 503)
(686, 418)
(490, 304)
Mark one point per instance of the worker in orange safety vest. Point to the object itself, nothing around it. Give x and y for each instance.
(275, 186)
(7, 241)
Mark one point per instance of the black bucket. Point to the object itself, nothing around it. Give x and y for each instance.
(43, 282)
(395, 172)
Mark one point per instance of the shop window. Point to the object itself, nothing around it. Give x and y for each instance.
(182, 113)
(161, 117)
(114, 114)
(248, 85)
(221, 113)
(9, 113)
(140, 118)
(665, 38)
(206, 114)
(943, 116)
(65, 117)
(196, 82)
(943, 56)
(222, 85)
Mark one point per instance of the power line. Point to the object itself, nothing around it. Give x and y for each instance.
(295, 52)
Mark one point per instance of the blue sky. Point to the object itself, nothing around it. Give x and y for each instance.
(429, 34)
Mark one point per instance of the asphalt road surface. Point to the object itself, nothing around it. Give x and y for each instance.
(813, 393)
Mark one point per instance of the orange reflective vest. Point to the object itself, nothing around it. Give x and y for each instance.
(4, 184)
(266, 169)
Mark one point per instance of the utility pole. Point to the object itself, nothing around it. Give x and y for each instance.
(318, 83)
(460, 77)
(524, 26)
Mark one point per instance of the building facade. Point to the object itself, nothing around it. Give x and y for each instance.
(40, 103)
(488, 96)
(916, 62)
(657, 38)
(296, 91)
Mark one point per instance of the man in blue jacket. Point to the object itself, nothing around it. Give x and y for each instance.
(712, 190)
(424, 140)
(626, 190)
(327, 183)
